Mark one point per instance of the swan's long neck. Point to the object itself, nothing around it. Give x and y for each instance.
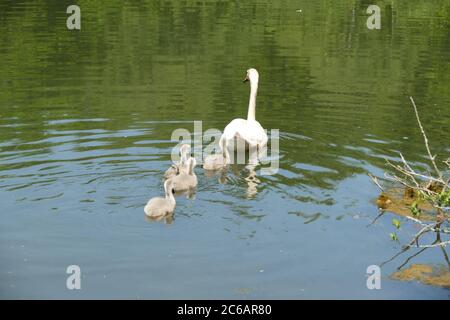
(184, 155)
(191, 166)
(252, 101)
(169, 194)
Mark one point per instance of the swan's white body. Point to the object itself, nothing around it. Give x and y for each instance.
(248, 130)
(176, 168)
(159, 207)
(186, 180)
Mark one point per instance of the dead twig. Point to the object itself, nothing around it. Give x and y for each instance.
(426, 140)
(375, 180)
(441, 244)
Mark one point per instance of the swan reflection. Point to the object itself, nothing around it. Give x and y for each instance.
(167, 219)
(249, 175)
(252, 181)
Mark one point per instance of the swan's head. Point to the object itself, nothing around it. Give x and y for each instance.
(185, 150)
(252, 75)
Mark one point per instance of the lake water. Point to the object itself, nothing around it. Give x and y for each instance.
(86, 118)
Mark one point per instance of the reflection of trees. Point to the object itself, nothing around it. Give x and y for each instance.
(322, 73)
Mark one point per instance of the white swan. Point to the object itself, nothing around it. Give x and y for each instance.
(176, 168)
(186, 180)
(159, 207)
(248, 130)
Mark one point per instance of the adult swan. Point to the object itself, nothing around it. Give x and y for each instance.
(248, 130)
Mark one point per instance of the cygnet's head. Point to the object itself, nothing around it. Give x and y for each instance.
(185, 149)
(251, 75)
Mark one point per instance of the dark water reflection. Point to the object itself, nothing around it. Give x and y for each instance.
(85, 136)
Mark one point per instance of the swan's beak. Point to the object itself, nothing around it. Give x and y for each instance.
(246, 78)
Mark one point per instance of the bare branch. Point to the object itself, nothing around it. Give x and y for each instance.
(439, 244)
(425, 139)
(431, 227)
(412, 172)
(375, 180)
(422, 183)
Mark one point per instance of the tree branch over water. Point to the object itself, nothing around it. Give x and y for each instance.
(439, 173)
(432, 189)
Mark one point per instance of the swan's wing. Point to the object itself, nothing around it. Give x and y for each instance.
(253, 133)
(156, 207)
(233, 127)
